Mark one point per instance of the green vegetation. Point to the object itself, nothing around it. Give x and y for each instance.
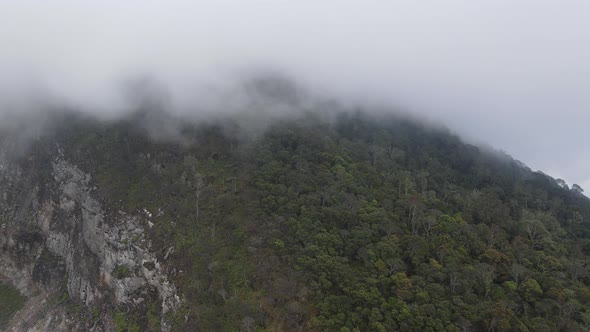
(10, 302)
(122, 271)
(123, 323)
(358, 224)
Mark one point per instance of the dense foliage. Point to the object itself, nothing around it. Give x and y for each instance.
(10, 302)
(354, 224)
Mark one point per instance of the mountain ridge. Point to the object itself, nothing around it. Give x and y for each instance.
(351, 223)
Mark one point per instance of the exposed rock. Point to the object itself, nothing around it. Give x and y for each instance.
(61, 235)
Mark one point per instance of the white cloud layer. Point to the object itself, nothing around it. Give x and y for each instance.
(514, 74)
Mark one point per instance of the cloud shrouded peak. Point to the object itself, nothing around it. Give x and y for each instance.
(512, 74)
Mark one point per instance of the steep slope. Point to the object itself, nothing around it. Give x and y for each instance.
(355, 223)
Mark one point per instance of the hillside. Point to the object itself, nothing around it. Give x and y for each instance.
(352, 223)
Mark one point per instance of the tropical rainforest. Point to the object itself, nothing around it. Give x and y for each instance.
(351, 222)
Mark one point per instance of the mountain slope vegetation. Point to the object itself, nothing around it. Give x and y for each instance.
(356, 223)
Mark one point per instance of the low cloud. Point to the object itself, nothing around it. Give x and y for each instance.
(512, 74)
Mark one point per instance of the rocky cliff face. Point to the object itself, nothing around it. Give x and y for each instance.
(73, 257)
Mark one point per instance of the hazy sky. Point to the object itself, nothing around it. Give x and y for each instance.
(511, 73)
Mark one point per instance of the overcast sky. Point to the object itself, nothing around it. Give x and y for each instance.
(512, 73)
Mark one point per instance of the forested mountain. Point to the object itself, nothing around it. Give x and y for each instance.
(352, 222)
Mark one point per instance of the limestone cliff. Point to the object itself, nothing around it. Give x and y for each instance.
(73, 257)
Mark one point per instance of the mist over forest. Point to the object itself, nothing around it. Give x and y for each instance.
(280, 166)
(497, 73)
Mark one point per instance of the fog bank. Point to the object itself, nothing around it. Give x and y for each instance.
(512, 74)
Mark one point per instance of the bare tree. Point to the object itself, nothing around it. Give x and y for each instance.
(454, 281)
(536, 233)
(198, 185)
(518, 272)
